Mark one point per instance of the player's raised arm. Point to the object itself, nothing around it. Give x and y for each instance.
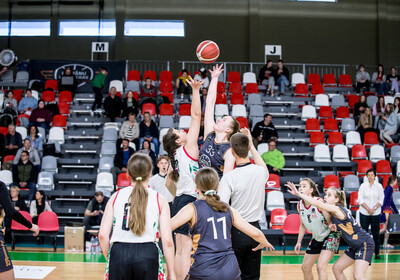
(211, 99)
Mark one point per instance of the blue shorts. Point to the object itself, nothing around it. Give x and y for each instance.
(5, 261)
(178, 203)
(364, 252)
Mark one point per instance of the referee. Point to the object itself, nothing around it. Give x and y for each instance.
(244, 187)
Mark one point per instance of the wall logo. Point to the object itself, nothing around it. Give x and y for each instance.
(82, 72)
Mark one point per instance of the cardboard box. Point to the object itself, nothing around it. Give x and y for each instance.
(74, 240)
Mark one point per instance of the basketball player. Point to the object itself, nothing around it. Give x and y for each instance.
(361, 244)
(211, 221)
(324, 243)
(244, 187)
(7, 208)
(183, 152)
(134, 215)
(215, 150)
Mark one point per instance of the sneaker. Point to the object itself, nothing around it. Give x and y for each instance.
(99, 111)
(377, 257)
(91, 113)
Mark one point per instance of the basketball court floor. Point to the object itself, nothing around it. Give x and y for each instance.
(60, 265)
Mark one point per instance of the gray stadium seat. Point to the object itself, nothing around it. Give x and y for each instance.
(108, 149)
(110, 135)
(105, 164)
(351, 183)
(21, 79)
(394, 153)
(49, 164)
(166, 122)
(256, 111)
(348, 125)
(371, 100)
(7, 79)
(45, 181)
(132, 85)
(253, 99)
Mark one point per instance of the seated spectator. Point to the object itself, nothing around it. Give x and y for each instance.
(94, 211)
(378, 110)
(10, 104)
(19, 205)
(267, 77)
(130, 130)
(362, 79)
(121, 160)
(393, 80)
(113, 105)
(2, 147)
(33, 154)
(390, 127)
(36, 140)
(39, 205)
(12, 141)
(282, 76)
(26, 106)
(396, 106)
(264, 130)
(148, 90)
(146, 149)
(130, 105)
(41, 116)
(148, 131)
(388, 206)
(182, 85)
(68, 81)
(25, 174)
(379, 81)
(202, 76)
(359, 107)
(274, 159)
(157, 182)
(366, 123)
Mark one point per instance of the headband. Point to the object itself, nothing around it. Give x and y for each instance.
(210, 192)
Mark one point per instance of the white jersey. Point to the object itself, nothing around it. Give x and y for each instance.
(314, 221)
(157, 183)
(121, 231)
(187, 168)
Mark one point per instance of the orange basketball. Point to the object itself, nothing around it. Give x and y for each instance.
(207, 51)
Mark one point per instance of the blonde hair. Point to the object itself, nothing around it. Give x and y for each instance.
(339, 195)
(207, 180)
(139, 168)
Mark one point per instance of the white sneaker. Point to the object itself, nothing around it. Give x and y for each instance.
(91, 113)
(100, 111)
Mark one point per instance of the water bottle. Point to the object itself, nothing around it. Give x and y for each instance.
(97, 245)
(394, 226)
(92, 245)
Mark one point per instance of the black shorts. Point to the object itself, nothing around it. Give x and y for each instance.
(5, 261)
(133, 261)
(180, 202)
(364, 252)
(330, 243)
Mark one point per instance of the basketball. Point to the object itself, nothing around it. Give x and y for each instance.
(207, 51)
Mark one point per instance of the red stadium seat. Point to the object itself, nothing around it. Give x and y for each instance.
(221, 87)
(312, 125)
(59, 121)
(331, 181)
(278, 217)
(235, 88)
(325, 112)
(345, 81)
(169, 95)
(166, 87)
(8, 158)
(330, 125)
(48, 224)
(370, 139)
(329, 80)
(363, 166)
(237, 98)
(273, 183)
(53, 84)
(65, 96)
(166, 110)
(301, 90)
(123, 180)
(63, 108)
(358, 152)
(383, 168)
(165, 76)
(233, 77)
(317, 89)
(150, 74)
(17, 94)
(352, 99)
(116, 94)
(21, 116)
(385, 181)
(133, 75)
(353, 204)
(342, 113)
(316, 138)
(135, 95)
(3, 130)
(48, 96)
(184, 109)
(368, 93)
(313, 79)
(243, 122)
(149, 107)
(251, 88)
(221, 99)
(291, 227)
(335, 138)
(15, 226)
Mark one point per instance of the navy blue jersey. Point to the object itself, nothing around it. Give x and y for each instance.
(349, 229)
(212, 251)
(212, 154)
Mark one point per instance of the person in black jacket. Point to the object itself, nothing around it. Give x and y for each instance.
(25, 174)
(68, 81)
(148, 131)
(113, 105)
(121, 160)
(6, 267)
(13, 141)
(282, 76)
(264, 131)
(94, 211)
(267, 77)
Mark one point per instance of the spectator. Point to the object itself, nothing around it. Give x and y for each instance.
(362, 79)
(148, 90)
(366, 124)
(266, 77)
(12, 141)
(182, 85)
(148, 131)
(113, 105)
(378, 110)
(130, 105)
(121, 160)
(33, 154)
(390, 127)
(41, 116)
(204, 93)
(202, 76)
(3, 70)
(379, 81)
(98, 84)
(264, 130)
(388, 206)
(2, 146)
(10, 103)
(370, 198)
(274, 159)
(94, 211)
(146, 149)
(130, 130)
(393, 80)
(39, 205)
(397, 110)
(36, 140)
(282, 76)
(359, 107)
(19, 204)
(68, 81)
(26, 106)
(25, 174)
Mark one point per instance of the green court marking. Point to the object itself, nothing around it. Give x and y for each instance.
(57, 257)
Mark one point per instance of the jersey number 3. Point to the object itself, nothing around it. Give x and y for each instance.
(223, 221)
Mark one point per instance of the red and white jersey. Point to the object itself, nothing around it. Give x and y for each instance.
(314, 221)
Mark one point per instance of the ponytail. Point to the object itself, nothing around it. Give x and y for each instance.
(340, 195)
(170, 146)
(139, 168)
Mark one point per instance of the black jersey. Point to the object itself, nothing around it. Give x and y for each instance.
(212, 154)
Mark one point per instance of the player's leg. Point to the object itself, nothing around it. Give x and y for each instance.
(182, 256)
(341, 264)
(7, 275)
(360, 267)
(6, 267)
(308, 262)
(323, 262)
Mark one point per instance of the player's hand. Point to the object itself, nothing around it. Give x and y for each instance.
(332, 227)
(217, 70)
(35, 229)
(246, 132)
(267, 245)
(297, 248)
(292, 188)
(194, 83)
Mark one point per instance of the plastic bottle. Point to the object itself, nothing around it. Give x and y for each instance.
(97, 245)
(92, 245)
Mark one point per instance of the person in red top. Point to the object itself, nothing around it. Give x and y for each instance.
(40, 116)
(148, 90)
